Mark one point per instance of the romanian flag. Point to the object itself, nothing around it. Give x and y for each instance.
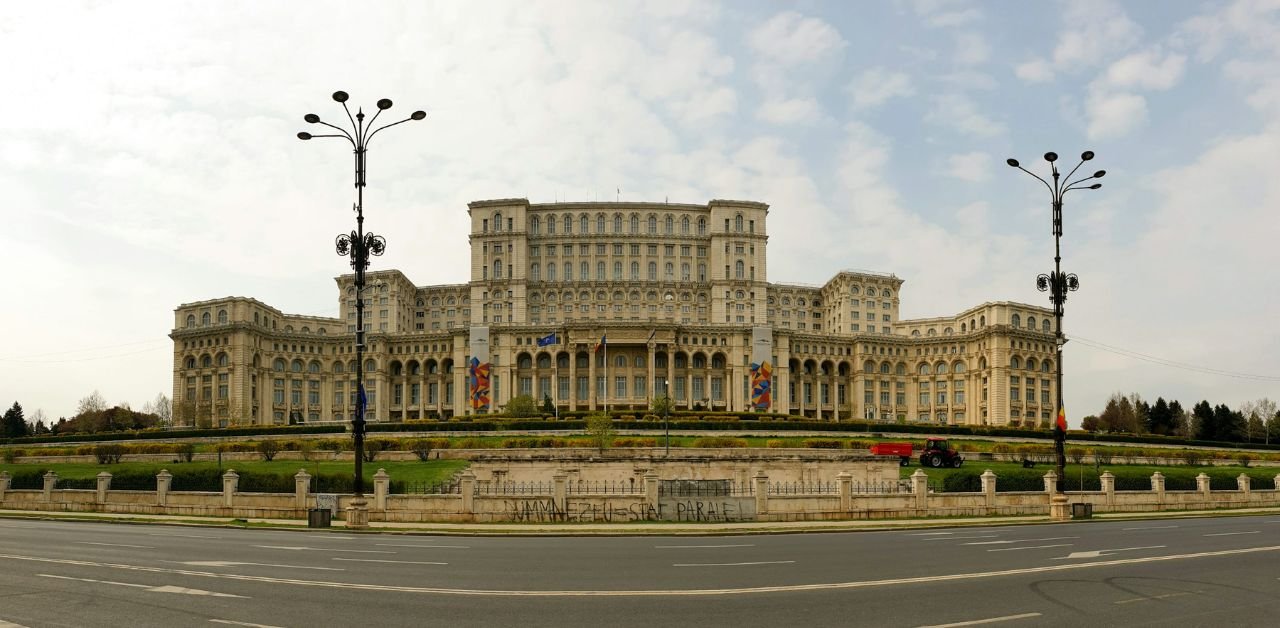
(1062, 418)
(600, 345)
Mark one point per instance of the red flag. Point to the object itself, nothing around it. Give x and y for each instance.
(1062, 418)
(600, 345)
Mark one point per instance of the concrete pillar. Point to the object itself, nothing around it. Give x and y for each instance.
(762, 492)
(468, 481)
(301, 488)
(230, 482)
(1157, 486)
(104, 484)
(651, 490)
(1277, 480)
(845, 479)
(4, 483)
(381, 487)
(920, 486)
(50, 481)
(1242, 482)
(1051, 482)
(1202, 485)
(559, 490)
(989, 487)
(1109, 486)
(164, 481)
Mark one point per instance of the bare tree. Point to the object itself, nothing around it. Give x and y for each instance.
(1266, 411)
(162, 407)
(94, 402)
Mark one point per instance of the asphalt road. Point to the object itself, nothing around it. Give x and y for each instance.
(1174, 572)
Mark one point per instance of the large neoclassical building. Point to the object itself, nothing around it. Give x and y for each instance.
(609, 305)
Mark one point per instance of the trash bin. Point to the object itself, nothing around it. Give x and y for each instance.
(1081, 511)
(319, 518)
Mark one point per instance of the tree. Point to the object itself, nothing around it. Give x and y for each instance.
(1273, 428)
(600, 430)
(662, 406)
(1090, 423)
(1206, 426)
(1230, 425)
(13, 424)
(547, 406)
(1110, 418)
(162, 407)
(94, 402)
(1264, 409)
(1160, 418)
(522, 406)
(1183, 425)
(1254, 426)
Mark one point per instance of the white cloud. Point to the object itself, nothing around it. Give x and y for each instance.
(1036, 70)
(946, 13)
(959, 113)
(1113, 115)
(973, 167)
(1093, 31)
(971, 49)
(1145, 70)
(790, 111)
(877, 86)
(789, 39)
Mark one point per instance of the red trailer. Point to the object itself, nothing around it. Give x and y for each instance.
(936, 453)
(901, 450)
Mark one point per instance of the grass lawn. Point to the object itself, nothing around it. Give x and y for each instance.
(409, 471)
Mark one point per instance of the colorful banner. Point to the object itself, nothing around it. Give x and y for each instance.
(761, 385)
(478, 377)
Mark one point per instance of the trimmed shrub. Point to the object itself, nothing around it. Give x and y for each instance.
(719, 442)
(268, 448)
(823, 443)
(186, 451)
(108, 453)
(775, 444)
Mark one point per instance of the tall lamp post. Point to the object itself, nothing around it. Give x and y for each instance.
(1058, 284)
(666, 411)
(358, 245)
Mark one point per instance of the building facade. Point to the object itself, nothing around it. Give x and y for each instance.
(609, 305)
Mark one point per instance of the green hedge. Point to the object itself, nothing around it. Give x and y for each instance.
(1175, 479)
(186, 479)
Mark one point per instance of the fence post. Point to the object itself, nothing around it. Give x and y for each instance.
(381, 486)
(301, 488)
(4, 483)
(164, 480)
(1278, 481)
(989, 487)
(1202, 485)
(468, 492)
(762, 492)
(50, 481)
(1157, 485)
(104, 485)
(230, 482)
(1243, 483)
(559, 491)
(1051, 482)
(651, 492)
(1109, 486)
(920, 486)
(846, 490)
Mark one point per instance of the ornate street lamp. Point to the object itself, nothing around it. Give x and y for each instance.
(1058, 284)
(358, 245)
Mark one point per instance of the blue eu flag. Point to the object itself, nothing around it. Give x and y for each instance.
(549, 339)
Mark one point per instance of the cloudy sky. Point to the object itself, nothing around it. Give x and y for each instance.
(149, 159)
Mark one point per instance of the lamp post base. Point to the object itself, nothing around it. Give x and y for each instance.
(1059, 509)
(358, 514)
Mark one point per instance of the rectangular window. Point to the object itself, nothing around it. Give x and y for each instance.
(544, 387)
(563, 388)
(679, 386)
(583, 392)
(640, 386)
(526, 386)
(717, 388)
(415, 394)
(433, 392)
(620, 386)
(397, 394)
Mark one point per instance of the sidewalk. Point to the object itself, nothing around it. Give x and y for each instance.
(617, 529)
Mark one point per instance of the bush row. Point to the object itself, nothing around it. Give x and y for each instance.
(194, 479)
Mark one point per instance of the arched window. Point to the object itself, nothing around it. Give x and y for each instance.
(653, 224)
(544, 361)
(669, 225)
(617, 223)
(982, 320)
(535, 225)
(1015, 363)
(702, 226)
(884, 368)
(617, 271)
(717, 361)
(497, 269)
(1015, 320)
(204, 318)
(958, 367)
(314, 367)
(1044, 326)
(885, 293)
(222, 317)
(222, 359)
(191, 320)
(535, 273)
(206, 361)
(568, 271)
(901, 369)
(551, 272)
(1031, 323)
(551, 224)
(525, 362)
(370, 366)
(191, 362)
(684, 271)
(1031, 364)
(635, 270)
(600, 223)
(924, 369)
(915, 332)
(635, 223)
(583, 224)
(738, 270)
(599, 271)
(296, 367)
(737, 223)
(1046, 366)
(568, 223)
(684, 225)
(278, 365)
(620, 361)
(942, 368)
(669, 271)
(653, 271)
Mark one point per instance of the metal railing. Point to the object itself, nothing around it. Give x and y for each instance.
(604, 487)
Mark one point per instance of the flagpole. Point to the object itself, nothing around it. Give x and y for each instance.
(604, 339)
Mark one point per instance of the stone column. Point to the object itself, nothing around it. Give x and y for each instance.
(762, 492)
(468, 481)
(920, 487)
(50, 481)
(301, 488)
(573, 377)
(559, 491)
(652, 373)
(1277, 481)
(230, 482)
(104, 484)
(4, 483)
(835, 395)
(671, 377)
(1109, 486)
(846, 490)
(1243, 483)
(591, 380)
(989, 487)
(651, 491)
(381, 486)
(1157, 486)
(1051, 482)
(164, 481)
(1202, 485)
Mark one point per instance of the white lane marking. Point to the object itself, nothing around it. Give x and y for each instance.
(1234, 533)
(1051, 538)
(700, 546)
(929, 533)
(114, 545)
(1150, 528)
(990, 620)
(154, 589)
(241, 623)
(1027, 547)
(1156, 597)
(856, 584)
(767, 562)
(326, 537)
(957, 538)
(228, 563)
(5, 624)
(185, 536)
(394, 562)
(299, 548)
(427, 546)
(1105, 552)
